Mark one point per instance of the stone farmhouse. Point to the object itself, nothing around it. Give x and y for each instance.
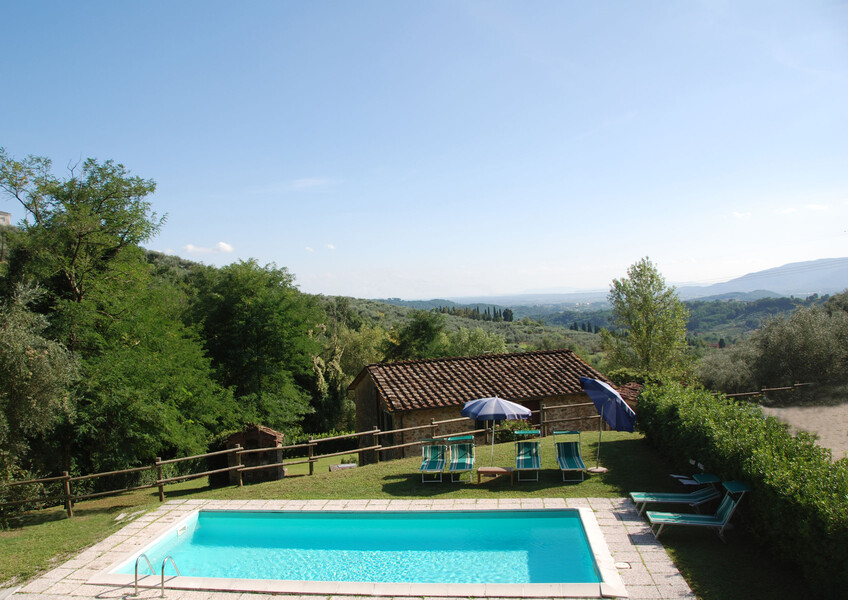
(407, 394)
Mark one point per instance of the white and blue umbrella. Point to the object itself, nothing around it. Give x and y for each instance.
(612, 408)
(494, 409)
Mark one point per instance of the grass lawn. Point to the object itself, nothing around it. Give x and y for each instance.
(714, 570)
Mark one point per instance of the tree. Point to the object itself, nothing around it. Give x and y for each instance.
(420, 338)
(81, 235)
(471, 342)
(809, 346)
(152, 387)
(36, 375)
(261, 334)
(348, 345)
(650, 324)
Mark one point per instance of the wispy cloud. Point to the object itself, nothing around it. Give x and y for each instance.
(741, 216)
(310, 249)
(220, 247)
(817, 207)
(331, 247)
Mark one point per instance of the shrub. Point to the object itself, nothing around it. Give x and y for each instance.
(798, 504)
(505, 431)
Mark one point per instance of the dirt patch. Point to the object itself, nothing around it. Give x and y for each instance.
(830, 423)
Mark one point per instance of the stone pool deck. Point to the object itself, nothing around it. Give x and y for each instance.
(640, 560)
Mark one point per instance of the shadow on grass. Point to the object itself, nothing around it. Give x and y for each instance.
(56, 513)
(634, 465)
(405, 485)
(48, 515)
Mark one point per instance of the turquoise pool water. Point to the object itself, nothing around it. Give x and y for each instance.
(410, 547)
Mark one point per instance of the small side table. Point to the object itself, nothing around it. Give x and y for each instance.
(496, 472)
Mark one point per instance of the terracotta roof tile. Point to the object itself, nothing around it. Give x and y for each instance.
(409, 385)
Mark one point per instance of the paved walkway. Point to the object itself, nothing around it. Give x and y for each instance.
(641, 561)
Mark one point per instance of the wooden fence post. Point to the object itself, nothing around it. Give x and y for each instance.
(239, 464)
(311, 457)
(375, 442)
(159, 479)
(542, 419)
(69, 505)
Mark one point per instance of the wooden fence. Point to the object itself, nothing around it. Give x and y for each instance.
(67, 498)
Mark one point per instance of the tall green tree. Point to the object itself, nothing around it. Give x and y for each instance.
(145, 387)
(348, 344)
(36, 377)
(82, 236)
(152, 387)
(261, 334)
(421, 337)
(650, 324)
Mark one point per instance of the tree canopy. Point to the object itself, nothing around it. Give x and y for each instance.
(649, 320)
(808, 346)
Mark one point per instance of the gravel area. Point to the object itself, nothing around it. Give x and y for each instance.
(830, 423)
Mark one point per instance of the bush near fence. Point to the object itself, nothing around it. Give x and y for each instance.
(798, 504)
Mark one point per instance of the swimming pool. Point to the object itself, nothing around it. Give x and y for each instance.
(553, 552)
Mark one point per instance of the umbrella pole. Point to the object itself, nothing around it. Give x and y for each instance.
(600, 431)
(493, 443)
(597, 468)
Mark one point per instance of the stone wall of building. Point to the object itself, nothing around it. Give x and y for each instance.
(415, 418)
(366, 404)
(577, 406)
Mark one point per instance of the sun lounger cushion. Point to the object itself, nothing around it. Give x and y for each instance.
(461, 458)
(695, 498)
(432, 460)
(718, 521)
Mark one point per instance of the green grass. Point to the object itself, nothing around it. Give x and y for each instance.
(714, 570)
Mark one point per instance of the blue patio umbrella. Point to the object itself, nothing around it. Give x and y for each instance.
(612, 408)
(494, 409)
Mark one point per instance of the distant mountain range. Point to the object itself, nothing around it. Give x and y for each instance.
(801, 279)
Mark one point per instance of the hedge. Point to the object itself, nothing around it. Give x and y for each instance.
(798, 504)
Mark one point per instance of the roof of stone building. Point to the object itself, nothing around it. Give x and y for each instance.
(415, 384)
(629, 392)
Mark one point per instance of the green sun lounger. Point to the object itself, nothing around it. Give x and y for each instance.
(693, 499)
(718, 521)
(432, 461)
(527, 454)
(461, 450)
(568, 454)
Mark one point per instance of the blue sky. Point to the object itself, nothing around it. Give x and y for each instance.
(444, 149)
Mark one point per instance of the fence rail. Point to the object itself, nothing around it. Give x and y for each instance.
(67, 498)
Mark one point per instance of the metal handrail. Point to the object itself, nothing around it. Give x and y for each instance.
(165, 560)
(152, 570)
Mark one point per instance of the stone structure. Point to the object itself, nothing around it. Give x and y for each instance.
(420, 392)
(256, 436)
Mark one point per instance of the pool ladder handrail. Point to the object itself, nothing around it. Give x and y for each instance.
(152, 570)
(165, 560)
